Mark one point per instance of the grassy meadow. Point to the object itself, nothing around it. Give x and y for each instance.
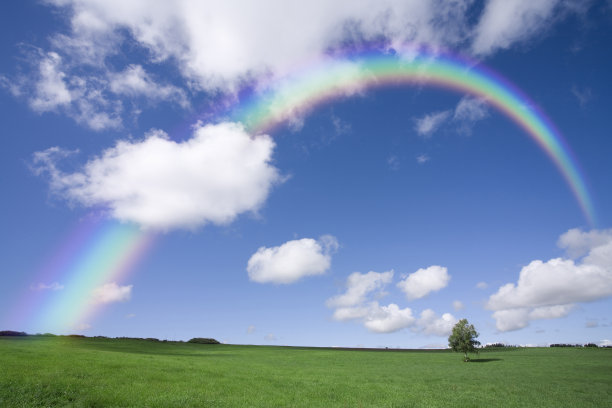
(98, 372)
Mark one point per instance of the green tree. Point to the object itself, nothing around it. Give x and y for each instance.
(463, 338)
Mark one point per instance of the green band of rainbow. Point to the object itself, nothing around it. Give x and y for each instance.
(333, 78)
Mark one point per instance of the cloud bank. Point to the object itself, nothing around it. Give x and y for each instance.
(220, 46)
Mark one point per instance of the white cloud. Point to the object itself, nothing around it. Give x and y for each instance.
(51, 90)
(130, 316)
(482, 285)
(111, 293)
(429, 123)
(215, 45)
(388, 319)
(51, 286)
(430, 323)
(135, 82)
(424, 281)
(270, 337)
(359, 286)
(83, 326)
(471, 109)
(251, 329)
(356, 304)
(548, 290)
(505, 23)
(213, 177)
(458, 305)
(577, 243)
(605, 343)
(292, 260)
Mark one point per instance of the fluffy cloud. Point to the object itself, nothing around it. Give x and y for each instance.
(357, 304)
(292, 260)
(424, 281)
(111, 293)
(430, 323)
(359, 286)
(548, 290)
(505, 23)
(213, 177)
(220, 46)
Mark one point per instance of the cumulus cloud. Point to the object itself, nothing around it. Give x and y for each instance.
(548, 290)
(426, 125)
(357, 303)
(359, 286)
(292, 260)
(220, 46)
(430, 323)
(111, 293)
(424, 281)
(213, 177)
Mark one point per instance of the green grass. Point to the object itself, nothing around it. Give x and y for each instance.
(88, 372)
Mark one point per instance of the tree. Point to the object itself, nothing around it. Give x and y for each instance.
(463, 338)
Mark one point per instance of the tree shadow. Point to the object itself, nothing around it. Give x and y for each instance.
(485, 360)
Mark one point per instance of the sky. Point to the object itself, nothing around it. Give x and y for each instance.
(270, 173)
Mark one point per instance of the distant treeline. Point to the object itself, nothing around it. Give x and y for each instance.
(198, 340)
(502, 345)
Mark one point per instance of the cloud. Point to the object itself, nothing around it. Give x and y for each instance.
(251, 329)
(393, 162)
(429, 123)
(423, 158)
(505, 23)
(357, 304)
(471, 109)
(424, 281)
(583, 95)
(458, 305)
(270, 337)
(430, 323)
(215, 46)
(548, 290)
(482, 285)
(213, 177)
(43, 286)
(111, 293)
(130, 316)
(135, 82)
(292, 260)
(359, 286)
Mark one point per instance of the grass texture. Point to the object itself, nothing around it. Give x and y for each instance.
(97, 372)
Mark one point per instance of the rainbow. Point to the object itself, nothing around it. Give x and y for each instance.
(102, 252)
(96, 253)
(333, 78)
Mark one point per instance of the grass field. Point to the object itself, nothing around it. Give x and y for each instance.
(91, 372)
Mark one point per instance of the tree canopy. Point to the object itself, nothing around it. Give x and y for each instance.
(463, 338)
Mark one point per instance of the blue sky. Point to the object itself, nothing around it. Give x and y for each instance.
(372, 220)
